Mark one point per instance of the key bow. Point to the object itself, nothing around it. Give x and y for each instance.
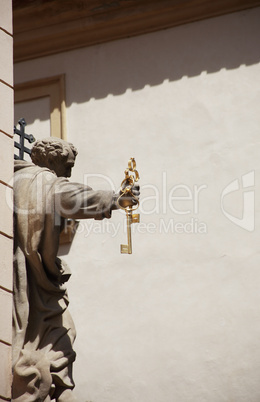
(128, 183)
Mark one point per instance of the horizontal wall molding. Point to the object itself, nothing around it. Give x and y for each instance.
(8, 135)
(6, 83)
(6, 235)
(8, 291)
(5, 31)
(47, 27)
(5, 184)
(4, 342)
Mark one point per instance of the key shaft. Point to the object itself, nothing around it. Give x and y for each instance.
(130, 218)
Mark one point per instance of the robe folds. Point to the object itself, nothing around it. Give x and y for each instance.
(43, 330)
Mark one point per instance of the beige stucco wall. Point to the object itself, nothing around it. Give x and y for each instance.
(6, 225)
(179, 319)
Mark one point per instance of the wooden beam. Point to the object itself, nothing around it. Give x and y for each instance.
(47, 27)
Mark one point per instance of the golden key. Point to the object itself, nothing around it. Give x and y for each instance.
(131, 177)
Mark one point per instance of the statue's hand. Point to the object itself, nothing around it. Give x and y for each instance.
(130, 198)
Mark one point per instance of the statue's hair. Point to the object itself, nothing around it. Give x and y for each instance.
(50, 150)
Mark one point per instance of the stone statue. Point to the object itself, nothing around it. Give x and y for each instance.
(43, 330)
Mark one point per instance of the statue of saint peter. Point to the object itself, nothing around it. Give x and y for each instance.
(43, 330)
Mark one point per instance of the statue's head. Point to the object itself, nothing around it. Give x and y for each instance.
(55, 154)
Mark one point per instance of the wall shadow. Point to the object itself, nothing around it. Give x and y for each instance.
(225, 42)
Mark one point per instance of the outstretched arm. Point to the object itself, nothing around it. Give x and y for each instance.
(75, 200)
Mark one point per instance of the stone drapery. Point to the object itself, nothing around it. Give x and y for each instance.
(43, 330)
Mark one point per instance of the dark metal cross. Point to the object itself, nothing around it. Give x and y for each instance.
(20, 145)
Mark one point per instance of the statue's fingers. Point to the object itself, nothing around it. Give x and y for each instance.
(136, 193)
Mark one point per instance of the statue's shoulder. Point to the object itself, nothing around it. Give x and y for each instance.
(28, 170)
(18, 165)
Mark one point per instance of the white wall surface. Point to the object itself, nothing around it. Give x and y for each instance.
(177, 321)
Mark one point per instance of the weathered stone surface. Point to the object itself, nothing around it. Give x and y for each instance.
(6, 144)
(5, 370)
(6, 113)
(6, 264)
(6, 223)
(6, 16)
(6, 67)
(43, 197)
(6, 302)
